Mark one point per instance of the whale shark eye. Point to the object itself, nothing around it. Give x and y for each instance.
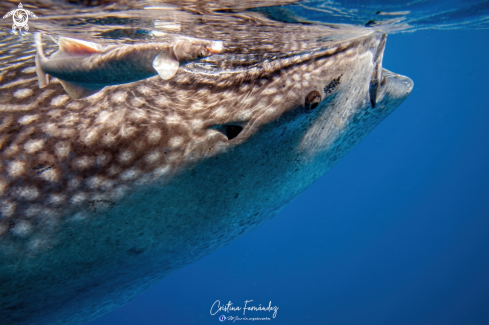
(312, 101)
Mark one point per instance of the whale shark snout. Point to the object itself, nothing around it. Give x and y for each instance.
(394, 89)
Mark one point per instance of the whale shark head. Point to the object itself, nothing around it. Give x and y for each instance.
(102, 197)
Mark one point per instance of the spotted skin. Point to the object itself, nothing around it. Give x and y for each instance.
(102, 197)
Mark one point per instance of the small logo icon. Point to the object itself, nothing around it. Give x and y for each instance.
(222, 318)
(20, 17)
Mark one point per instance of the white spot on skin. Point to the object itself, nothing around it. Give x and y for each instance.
(175, 142)
(154, 136)
(70, 119)
(97, 96)
(51, 129)
(78, 198)
(51, 175)
(7, 208)
(59, 100)
(130, 174)
(197, 106)
(74, 183)
(172, 156)
(269, 91)
(23, 93)
(91, 137)
(162, 101)
(74, 106)
(108, 139)
(219, 112)
(125, 156)
(28, 193)
(113, 170)
(161, 171)
(96, 182)
(247, 100)
(128, 132)
(119, 97)
(137, 115)
(153, 157)
(103, 117)
(145, 90)
(56, 199)
(196, 124)
(33, 211)
(102, 159)
(12, 150)
(22, 228)
(33, 146)
(117, 118)
(16, 168)
(137, 102)
(62, 149)
(94, 110)
(143, 179)
(29, 70)
(244, 115)
(67, 133)
(55, 113)
(83, 162)
(174, 119)
(277, 100)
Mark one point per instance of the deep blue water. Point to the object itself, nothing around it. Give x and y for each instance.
(396, 233)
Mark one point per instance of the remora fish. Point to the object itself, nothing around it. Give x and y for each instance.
(84, 68)
(102, 197)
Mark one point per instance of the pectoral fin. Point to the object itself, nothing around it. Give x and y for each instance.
(41, 76)
(166, 65)
(77, 91)
(78, 47)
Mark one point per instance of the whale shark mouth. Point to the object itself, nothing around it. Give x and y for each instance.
(377, 77)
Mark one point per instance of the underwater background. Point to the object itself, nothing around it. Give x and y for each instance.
(396, 233)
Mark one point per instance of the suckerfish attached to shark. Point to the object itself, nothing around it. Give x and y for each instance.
(84, 68)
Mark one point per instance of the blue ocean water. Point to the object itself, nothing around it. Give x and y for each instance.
(395, 233)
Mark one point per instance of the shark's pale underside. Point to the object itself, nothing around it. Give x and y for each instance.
(102, 197)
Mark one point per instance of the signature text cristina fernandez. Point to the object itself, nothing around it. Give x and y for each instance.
(229, 307)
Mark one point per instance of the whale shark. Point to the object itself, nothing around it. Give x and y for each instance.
(104, 196)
